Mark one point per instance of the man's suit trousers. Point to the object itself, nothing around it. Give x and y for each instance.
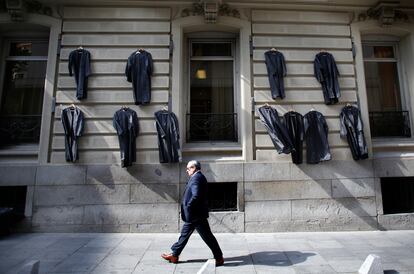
(203, 229)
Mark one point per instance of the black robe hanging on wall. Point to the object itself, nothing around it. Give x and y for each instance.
(138, 71)
(353, 128)
(327, 74)
(294, 125)
(316, 136)
(168, 136)
(73, 124)
(276, 70)
(79, 64)
(276, 129)
(125, 122)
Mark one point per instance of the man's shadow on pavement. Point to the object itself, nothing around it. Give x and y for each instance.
(270, 258)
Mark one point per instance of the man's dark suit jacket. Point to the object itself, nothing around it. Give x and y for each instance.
(195, 205)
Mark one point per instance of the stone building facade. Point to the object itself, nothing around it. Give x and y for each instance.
(272, 194)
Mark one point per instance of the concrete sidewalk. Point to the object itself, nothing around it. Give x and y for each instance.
(320, 252)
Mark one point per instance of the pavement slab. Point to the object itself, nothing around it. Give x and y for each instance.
(245, 253)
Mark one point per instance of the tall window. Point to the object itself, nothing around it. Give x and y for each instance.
(22, 93)
(385, 101)
(211, 115)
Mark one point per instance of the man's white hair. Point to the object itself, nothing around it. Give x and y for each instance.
(194, 163)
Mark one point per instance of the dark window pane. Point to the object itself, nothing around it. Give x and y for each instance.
(22, 100)
(222, 196)
(390, 124)
(211, 101)
(368, 51)
(382, 86)
(378, 51)
(38, 48)
(13, 197)
(397, 195)
(211, 49)
(23, 87)
(384, 52)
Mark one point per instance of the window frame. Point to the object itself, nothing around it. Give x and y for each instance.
(404, 96)
(6, 57)
(213, 38)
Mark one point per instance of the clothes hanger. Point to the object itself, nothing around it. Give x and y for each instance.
(165, 108)
(267, 105)
(348, 105)
(80, 47)
(273, 49)
(72, 106)
(139, 50)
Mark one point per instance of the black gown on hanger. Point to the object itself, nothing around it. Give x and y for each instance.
(316, 136)
(327, 74)
(125, 122)
(168, 134)
(73, 124)
(276, 70)
(276, 129)
(294, 125)
(79, 64)
(138, 71)
(353, 128)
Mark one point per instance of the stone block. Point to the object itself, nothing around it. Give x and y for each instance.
(216, 172)
(61, 175)
(130, 214)
(115, 40)
(333, 170)
(151, 173)
(396, 221)
(254, 172)
(59, 215)
(171, 227)
(264, 211)
(330, 208)
(300, 16)
(28, 210)
(314, 224)
(227, 222)
(371, 265)
(393, 167)
(80, 228)
(287, 190)
(17, 175)
(81, 195)
(137, 13)
(154, 193)
(268, 227)
(353, 188)
(116, 26)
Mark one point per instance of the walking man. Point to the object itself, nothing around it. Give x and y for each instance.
(194, 213)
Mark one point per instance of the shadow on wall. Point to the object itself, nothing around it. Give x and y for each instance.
(140, 198)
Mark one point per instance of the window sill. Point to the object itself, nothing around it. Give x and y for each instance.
(392, 143)
(20, 150)
(393, 148)
(211, 146)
